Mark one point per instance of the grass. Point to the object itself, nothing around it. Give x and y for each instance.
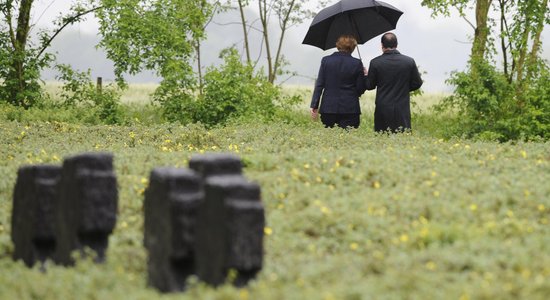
(137, 93)
(350, 215)
(420, 103)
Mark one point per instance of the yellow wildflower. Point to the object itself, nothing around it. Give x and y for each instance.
(325, 210)
(523, 154)
(243, 294)
(431, 265)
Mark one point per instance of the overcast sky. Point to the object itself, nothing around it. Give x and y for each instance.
(439, 45)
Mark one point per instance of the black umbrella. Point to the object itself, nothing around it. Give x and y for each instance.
(363, 19)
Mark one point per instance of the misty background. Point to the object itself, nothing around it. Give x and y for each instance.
(439, 46)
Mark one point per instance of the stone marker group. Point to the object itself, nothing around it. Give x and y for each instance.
(204, 220)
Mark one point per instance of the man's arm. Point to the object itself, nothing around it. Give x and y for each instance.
(360, 84)
(370, 79)
(416, 80)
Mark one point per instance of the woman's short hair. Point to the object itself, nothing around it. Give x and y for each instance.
(346, 43)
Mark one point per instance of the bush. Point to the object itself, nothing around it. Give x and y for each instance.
(22, 89)
(234, 91)
(79, 90)
(491, 107)
(175, 93)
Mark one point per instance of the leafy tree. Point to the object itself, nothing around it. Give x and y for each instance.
(287, 14)
(481, 26)
(209, 10)
(505, 103)
(21, 60)
(521, 38)
(155, 35)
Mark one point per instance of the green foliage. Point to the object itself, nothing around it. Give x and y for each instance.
(158, 36)
(22, 56)
(50, 111)
(350, 214)
(513, 103)
(490, 108)
(79, 89)
(443, 7)
(136, 34)
(234, 90)
(25, 91)
(175, 99)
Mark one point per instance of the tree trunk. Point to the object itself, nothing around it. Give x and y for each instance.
(263, 18)
(245, 32)
(199, 65)
(503, 28)
(281, 38)
(481, 32)
(523, 51)
(17, 74)
(536, 40)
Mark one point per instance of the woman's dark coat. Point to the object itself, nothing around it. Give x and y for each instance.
(340, 83)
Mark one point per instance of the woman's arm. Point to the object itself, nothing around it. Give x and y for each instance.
(319, 86)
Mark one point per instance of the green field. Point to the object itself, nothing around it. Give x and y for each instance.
(350, 215)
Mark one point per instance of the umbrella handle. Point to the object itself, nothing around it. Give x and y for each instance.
(354, 24)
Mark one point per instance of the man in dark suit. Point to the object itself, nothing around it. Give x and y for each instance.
(340, 82)
(395, 76)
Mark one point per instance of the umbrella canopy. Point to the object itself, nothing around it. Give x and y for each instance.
(363, 19)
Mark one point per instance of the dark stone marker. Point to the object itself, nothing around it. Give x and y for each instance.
(229, 230)
(216, 164)
(32, 220)
(86, 205)
(171, 203)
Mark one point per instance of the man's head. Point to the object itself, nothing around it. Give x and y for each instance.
(389, 41)
(346, 43)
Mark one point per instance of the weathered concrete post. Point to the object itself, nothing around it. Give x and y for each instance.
(171, 203)
(229, 231)
(216, 164)
(86, 206)
(32, 220)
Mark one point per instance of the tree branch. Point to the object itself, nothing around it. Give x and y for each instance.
(7, 13)
(67, 22)
(283, 22)
(470, 23)
(237, 23)
(214, 11)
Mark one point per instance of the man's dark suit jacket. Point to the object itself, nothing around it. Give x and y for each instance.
(340, 82)
(395, 75)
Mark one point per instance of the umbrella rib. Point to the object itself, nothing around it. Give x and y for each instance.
(364, 25)
(355, 27)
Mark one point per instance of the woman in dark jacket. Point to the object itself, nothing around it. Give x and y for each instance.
(338, 87)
